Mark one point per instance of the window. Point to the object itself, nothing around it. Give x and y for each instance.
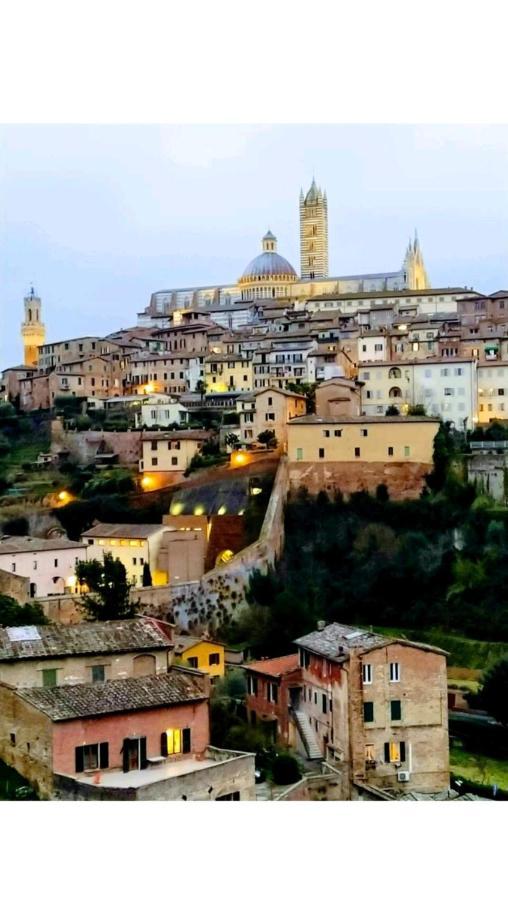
(394, 671)
(49, 677)
(326, 433)
(55, 563)
(324, 703)
(369, 753)
(235, 795)
(175, 740)
(390, 451)
(153, 445)
(134, 560)
(193, 661)
(395, 752)
(270, 401)
(174, 460)
(13, 739)
(367, 674)
(35, 564)
(315, 697)
(91, 756)
(154, 461)
(338, 432)
(304, 659)
(357, 451)
(13, 567)
(368, 712)
(407, 451)
(272, 692)
(299, 454)
(395, 710)
(214, 659)
(364, 432)
(321, 453)
(252, 686)
(98, 673)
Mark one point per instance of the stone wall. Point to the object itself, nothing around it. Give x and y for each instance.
(83, 445)
(15, 586)
(330, 784)
(404, 480)
(233, 771)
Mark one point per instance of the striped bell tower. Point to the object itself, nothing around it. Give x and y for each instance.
(313, 233)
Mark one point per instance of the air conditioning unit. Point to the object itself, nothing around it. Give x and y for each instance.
(402, 776)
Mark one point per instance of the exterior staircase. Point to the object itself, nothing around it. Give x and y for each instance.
(307, 735)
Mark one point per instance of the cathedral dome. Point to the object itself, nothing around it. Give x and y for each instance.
(269, 264)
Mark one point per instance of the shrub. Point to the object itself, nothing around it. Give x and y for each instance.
(285, 769)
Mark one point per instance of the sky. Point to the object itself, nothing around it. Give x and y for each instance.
(97, 217)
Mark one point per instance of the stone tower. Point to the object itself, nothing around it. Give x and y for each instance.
(33, 331)
(313, 233)
(415, 275)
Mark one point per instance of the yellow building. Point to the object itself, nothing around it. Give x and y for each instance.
(201, 653)
(269, 409)
(228, 372)
(133, 545)
(169, 451)
(350, 454)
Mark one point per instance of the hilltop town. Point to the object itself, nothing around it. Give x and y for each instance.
(247, 540)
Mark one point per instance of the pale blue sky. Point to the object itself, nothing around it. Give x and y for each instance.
(98, 217)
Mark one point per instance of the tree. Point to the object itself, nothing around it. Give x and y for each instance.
(417, 409)
(232, 440)
(16, 526)
(392, 410)
(109, 589)
(201, 388)
(13, 613)
(147, 576)
(268, 438)
(307, 390)
(494, 692)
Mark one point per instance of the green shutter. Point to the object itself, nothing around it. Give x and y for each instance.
(80, 765)
(104, 755)
(368, 712)
(395, 710)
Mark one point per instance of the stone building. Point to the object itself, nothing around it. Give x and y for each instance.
(170, 452)
(143, 738)
(269, 409)
(49, 563)
(352, 453)
(134, 545)
(269, 699)
(33, 331)
(376, 703)
(270, 276)
(86, 653)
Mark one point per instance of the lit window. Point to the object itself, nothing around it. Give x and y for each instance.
(395, 752)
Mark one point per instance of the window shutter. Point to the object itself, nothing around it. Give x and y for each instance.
(186, 740)
(143, 762)
(403, 751)
(125, 755)
(80, 765)
(387, 752)
(164, 744)
(104, 755)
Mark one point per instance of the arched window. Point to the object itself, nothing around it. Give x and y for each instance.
(395, 373)
(395, 392)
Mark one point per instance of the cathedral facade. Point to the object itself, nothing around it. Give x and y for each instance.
(269, 276)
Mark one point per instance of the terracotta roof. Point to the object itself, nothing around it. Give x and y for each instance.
(189, 435)
(49, 641)
(103, 529)
(334, 641)
(280, 665)
(360, 420)
(186, 641)
(36, 545)
(76, 701)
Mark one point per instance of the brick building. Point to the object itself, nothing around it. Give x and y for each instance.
(269, 698)
(376, 704)
(137, 738)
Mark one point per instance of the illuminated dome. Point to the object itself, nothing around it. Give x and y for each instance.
(267, 274)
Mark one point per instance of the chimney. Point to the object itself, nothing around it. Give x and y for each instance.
(321, 625)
